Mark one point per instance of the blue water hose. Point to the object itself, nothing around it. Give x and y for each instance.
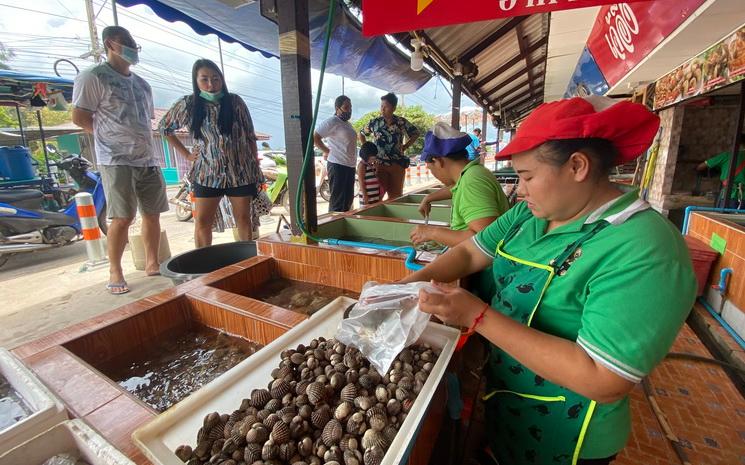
(724, 324)
(410, 259)
(693, 208)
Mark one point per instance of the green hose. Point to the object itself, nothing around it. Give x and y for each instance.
(309, 149)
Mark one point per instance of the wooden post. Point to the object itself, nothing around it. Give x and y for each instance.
(735, 146)
(457, 88)
(297, 108)
(484, 115)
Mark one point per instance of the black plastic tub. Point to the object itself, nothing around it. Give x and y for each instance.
(195, 263)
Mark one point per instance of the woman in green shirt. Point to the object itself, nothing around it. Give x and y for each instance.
(579, 315)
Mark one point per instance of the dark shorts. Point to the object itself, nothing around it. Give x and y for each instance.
(249, 190)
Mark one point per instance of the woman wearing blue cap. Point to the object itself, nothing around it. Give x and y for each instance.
(478, 199)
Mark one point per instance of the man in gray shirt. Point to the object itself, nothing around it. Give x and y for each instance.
(116, 106)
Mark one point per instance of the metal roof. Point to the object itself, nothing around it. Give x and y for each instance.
(509, 56)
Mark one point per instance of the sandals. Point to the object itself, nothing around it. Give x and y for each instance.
(118, 288)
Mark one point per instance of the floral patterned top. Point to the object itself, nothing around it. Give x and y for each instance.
(223, 161)
(390, 138)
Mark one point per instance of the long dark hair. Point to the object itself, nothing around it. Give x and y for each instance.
(198, 111)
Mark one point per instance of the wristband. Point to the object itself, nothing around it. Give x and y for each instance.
(477, 321)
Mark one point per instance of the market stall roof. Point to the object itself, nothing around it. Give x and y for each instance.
(17, 88)
(372, 61)
(503, 60)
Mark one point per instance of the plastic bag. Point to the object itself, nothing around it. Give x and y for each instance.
(385, 320)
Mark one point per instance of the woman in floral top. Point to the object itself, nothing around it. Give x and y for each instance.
(388, 132)
(224, 152)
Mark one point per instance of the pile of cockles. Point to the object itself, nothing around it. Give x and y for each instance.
(325, 404)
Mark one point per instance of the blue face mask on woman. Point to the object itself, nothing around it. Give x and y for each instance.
(211, 96)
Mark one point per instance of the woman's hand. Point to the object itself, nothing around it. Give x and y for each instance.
(425, 206)
(421, 234)
(452, 305)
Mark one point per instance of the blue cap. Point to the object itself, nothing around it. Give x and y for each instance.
(443, 140)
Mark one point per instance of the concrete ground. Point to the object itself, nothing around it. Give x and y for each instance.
(42, 292)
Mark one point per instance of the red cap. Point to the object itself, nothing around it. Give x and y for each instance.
(631, 127)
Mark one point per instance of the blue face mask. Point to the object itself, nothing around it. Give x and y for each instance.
(130, 55)
(211, 96)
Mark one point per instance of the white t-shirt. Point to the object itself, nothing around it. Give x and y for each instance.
(122, 108)
(341, 139)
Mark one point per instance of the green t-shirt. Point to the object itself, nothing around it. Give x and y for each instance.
(477, 194)
(623, 299)
(721, 161)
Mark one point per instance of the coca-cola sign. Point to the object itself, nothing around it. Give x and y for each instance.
(625, 33)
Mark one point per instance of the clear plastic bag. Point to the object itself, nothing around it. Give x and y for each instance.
(385, 320)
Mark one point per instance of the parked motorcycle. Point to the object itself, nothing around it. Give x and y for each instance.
(25, 226)
(182, 201)
(322, 180)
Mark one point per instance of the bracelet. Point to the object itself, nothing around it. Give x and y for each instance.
(465, 335)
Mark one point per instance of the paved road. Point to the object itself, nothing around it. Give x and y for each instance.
(42, 292)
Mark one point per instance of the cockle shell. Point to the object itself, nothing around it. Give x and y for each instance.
(334, 454)
(332, 433)
(363, 402)
(373, 438)
(259, 398)
(406, 405)
(280, 433)
(184, 452)
(348, 393)
(402, 394)
(305, 446)
(381, 393)
(269, 451)
(406, 383)
(273, 405)
(252, 453)
(316, 392)
(297, 358)
(377, 421)
(390, 433)
(279, 388)
(343, 410)
(393, 406)
(320, 416)
(305, 411)
(229, 446)
(348, 442)
(337, 381)
(367, 381)
(258, 434)
(374, 456)
(217, 446)
(286, 451)
(271, 420)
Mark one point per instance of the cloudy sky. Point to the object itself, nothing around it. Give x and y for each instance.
(42, 31)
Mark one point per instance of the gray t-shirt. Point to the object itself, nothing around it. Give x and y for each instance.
(122, 108)
(341, 139)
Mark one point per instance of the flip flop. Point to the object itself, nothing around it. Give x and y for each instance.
(118, 288)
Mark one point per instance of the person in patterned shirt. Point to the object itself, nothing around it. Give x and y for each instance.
(225, 154)
(388, 132)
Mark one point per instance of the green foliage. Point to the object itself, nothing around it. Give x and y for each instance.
(8, 118)
(416, 116)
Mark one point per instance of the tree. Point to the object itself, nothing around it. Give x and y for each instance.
(416, 116)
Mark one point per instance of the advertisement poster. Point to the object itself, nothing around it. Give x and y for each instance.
(720, 65)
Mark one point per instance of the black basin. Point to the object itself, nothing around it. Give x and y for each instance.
(189, 265)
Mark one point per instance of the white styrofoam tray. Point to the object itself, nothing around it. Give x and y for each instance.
(72, 437)
(47, 409)
(179, 424)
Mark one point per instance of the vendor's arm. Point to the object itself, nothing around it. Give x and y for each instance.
(447, 236)
(426, 203)
(456, 263)
(713, 162)
(556, 359)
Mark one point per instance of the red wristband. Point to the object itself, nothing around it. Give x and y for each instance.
(477, 321)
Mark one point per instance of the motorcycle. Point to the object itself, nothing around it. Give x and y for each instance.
(182, 201)
(322, 180)
(25, 226)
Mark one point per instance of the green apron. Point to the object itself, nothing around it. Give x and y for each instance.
(530, 420)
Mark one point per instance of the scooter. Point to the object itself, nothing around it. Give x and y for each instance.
(26, 227)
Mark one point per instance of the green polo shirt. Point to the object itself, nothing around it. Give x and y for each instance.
(477, 194)
(623, 299)
(721, 161)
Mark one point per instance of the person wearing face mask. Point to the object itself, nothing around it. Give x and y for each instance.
(116, 105)
(578, 315)
(340, 150)
(225, 154)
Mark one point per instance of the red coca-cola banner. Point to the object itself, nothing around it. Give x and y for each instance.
(625, 33)
(388, 16)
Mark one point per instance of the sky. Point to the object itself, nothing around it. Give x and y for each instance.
(43, 31)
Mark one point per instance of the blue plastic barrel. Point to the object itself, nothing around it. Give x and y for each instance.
(15, 164)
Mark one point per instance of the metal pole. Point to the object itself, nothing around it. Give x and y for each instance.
(43, 142)
(95, 49)
(735, 145)
(484, 116)
(455, 118)
(297, 105)
(219, 49)
(113, 10)
(342, 86)
(20, 126)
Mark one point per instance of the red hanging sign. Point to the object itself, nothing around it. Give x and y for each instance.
(623, 34)
(388, 16)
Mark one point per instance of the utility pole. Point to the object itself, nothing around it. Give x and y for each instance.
(219, 49)
(403, 102)
(113, 10)
(95, 48)
(342, 86)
